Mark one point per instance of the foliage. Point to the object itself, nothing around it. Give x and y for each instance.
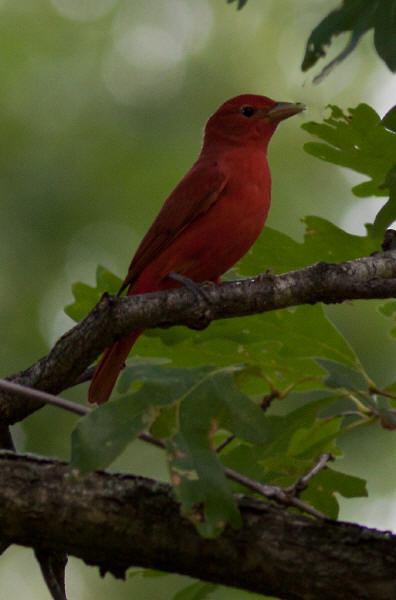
(219, 380)
(212, 398)
(356, 17)
(360, 141)
(286, 386)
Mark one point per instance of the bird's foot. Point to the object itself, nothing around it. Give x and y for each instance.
(268, 275)
(191, 285)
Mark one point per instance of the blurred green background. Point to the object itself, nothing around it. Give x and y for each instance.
(102, 107)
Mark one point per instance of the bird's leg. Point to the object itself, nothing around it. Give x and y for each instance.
(195, 288)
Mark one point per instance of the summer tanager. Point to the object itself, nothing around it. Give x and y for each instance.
(211, 218)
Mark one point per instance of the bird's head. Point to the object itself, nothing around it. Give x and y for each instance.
(248, 118)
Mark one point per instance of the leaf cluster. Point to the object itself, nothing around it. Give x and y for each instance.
(355, 17)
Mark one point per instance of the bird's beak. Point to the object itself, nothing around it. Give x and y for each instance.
(284, 110)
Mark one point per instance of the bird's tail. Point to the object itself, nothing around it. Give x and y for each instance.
(108, 368)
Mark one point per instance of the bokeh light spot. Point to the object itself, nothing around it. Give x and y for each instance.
(83, 10)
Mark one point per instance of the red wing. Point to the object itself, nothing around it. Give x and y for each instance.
(193, 196)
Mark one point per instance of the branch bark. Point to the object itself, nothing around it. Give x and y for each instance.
(365, 278)
(276, 552)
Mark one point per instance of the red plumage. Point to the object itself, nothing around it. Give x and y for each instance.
(211, 218)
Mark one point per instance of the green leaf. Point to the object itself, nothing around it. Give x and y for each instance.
(196, 591)
(186, 407)
(387, 213)
(356, 17)
(356, 140)
(140, 369)
(281, 345)
(382, 407)
(389, 310)
(240, 3)
(384, 32)
(296, 441)
(310, 443)
(386, 411)
(104, 433)
(360, 141)
(389, 120)
(200, 484)
(243, 458)
(284, 429)
(298, 438)
(106, 281)
(323, 487)
(322, 241)
(86, 296)
(342, 376)
(197, 474)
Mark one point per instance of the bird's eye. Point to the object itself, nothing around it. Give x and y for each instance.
(247, 111)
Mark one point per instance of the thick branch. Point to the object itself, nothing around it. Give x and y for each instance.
(276, 552)
(112, 318)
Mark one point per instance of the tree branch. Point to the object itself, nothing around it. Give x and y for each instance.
(276, 552)
(285, 496)
(365, 278)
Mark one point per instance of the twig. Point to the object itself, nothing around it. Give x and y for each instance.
(351, 413)
(225, 443)
(302, 483)
(64, 404)
(150, 439)
(284, 496)
(375, 390)
(28, 392)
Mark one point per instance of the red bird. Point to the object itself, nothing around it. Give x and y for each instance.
(211, 218)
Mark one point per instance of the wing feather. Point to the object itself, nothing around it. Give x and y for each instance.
(199, 189)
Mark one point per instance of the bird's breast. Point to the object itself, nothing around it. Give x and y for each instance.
(216, 240)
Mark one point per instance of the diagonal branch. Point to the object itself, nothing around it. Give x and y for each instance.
(364, 278)
(276, 552)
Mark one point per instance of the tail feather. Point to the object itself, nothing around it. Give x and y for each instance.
(108, 368)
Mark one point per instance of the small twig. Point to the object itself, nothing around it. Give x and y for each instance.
(28, 392)
(273, 492)
(225, 443)
(150, 439)
(363, 421)
(284, 496)
(267, 400)
(360, 406)
(68, 405)
(375, 390)
(350, 413)
(302, 482)
(275, 394)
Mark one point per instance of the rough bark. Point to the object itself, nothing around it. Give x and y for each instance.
(118, 521)
(112, 318)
